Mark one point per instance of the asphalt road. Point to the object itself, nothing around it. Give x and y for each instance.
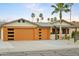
(63, 52)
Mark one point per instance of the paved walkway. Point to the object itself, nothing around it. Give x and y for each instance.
(16, 46)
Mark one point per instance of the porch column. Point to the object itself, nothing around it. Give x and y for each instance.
(55, 33)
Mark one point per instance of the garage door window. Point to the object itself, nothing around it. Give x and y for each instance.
(39, 35)
(10, 32)
(39, 38)
(39, 32)
(10, 35)
(10, 29)
(10, 38)
(39, 29)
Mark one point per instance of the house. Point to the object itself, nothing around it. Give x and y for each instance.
(23, 29)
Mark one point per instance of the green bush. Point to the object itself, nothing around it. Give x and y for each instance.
(56, 36)
(74, 33)
(66, 37)
(51, 33)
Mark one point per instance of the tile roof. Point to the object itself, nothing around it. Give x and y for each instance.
(43, 24)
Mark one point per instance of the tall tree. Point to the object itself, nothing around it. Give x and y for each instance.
(51, 19)
(32, 16)
(55, 19)
(59, 8)
(41, 16)
(48, 19)
(37, 19)
(70, 11)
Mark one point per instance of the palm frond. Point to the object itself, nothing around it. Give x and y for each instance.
(60, 5)
(66, 6)
(55, 11)
(71, 4)
(66, 10)
(53, 6)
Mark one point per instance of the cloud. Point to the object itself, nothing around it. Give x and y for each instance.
(34, 7)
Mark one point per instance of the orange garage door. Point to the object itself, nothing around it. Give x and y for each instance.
(23, 34)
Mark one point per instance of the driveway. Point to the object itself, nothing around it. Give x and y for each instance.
(16, 46)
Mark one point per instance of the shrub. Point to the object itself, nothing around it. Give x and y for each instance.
(51, 33)
(67, 37)
(74, 33)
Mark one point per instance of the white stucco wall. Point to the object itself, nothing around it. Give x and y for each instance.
(1, 33)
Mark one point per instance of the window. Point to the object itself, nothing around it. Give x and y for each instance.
(40, 29)
(53, 31)
(39, 32)
(65, 31)
(18, 20)
(10, 38)
(10, 35)
(39, 35)
(39, 38)
(23, 21)
(57, 31)
(10, 32)
(10, 28)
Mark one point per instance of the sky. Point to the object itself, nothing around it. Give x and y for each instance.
(13, 11)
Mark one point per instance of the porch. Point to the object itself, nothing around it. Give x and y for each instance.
(66, 33)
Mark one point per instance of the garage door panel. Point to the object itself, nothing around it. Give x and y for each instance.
(24, 34)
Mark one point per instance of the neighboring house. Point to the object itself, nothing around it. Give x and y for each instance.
(22, 29)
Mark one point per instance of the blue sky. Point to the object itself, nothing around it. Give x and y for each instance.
(12, 11)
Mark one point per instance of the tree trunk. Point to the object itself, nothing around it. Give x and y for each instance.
(60, 33)
(70, 14)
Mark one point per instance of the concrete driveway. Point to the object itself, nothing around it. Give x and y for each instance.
(13, 46)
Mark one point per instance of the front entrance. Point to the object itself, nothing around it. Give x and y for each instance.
(55, 33)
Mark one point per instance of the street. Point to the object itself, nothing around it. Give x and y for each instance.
(61, 52)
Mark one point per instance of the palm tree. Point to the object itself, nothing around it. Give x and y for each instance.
(48, 19)
(55, 19)
(51, 19)
(70, 10)
(37, 19)
(32, 16)
(59, 8)
(41, 16)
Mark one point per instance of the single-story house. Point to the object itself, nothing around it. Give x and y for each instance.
(22, 29)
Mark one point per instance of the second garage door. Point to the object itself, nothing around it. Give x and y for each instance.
(24, 33)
